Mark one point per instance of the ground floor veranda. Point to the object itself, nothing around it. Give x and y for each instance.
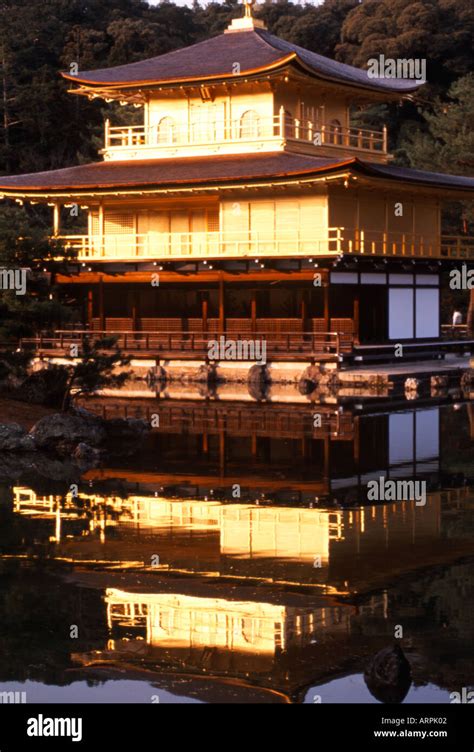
(322, 312)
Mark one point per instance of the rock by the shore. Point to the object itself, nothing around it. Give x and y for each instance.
(62, 432)
(86, 453)
(44, 387)
(14, 438)
(388, 675)
(81, 435)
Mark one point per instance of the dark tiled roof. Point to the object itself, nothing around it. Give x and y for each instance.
(214, 58)
(163, 173)
(407, 174)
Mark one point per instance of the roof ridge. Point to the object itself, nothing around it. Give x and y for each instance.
(261, 32)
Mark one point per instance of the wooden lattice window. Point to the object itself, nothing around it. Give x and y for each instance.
(119, 223)
(115, 223)
(213, 220)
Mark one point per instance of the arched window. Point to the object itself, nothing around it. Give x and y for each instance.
(249, 125)
(166, 133)
(335, 132)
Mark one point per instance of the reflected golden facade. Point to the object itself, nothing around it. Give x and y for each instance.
(177, 620)
(337, 549)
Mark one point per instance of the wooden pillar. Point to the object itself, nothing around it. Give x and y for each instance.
(204, 311)
(253, 312)
(253, 439)
(56, 218)
(327, 320)
(90, 307)
(305, 448)
(101, 228)
(221, 304)
(135, 310)
(356, 316)
(304, 311)
(101, 305)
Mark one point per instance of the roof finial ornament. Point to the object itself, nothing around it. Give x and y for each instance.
(247, 22)
(248, 8)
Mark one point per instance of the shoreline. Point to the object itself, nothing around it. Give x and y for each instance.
(25, 414)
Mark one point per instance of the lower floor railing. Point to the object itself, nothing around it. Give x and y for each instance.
(215, 346)
(455, 331)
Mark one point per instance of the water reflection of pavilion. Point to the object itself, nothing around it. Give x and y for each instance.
(280, 453)
(277, 640)
(337, 549)
(176, 620)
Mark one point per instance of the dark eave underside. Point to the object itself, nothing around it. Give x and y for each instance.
(255, 50)
(199, 172)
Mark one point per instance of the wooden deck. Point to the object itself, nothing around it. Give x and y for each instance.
(423, 350)
(289, 346)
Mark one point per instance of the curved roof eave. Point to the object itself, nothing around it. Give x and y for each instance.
(223, 172)
(402, 88)
(283, 167)
(183, 80)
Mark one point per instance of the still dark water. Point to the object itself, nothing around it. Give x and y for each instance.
(237, 558)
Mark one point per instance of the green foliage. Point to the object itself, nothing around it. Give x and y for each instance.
(97, 367)
(13, 364)
(446, 139)
(24, 245)
(444, 142)
(441, 31)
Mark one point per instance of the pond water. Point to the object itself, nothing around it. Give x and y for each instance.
(238, 557)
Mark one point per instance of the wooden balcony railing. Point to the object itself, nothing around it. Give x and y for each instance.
(221, 245)
(455, 331)
(279, 127)
(411, 245)
(329, 345)
(201, 245)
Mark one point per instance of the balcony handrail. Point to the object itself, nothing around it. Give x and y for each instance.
(132, 341)
(288, 121)
(204, 245)
(406, 244)
(209, 246)
(281, 126)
